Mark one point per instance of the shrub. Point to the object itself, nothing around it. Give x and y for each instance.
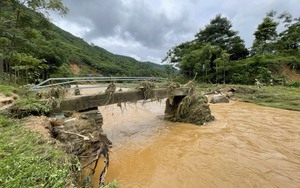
(294, 84)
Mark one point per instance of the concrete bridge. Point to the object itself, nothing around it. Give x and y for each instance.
(86, 102)
(92, 101)
(82, 132)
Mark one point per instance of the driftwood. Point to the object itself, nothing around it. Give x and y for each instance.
(102, 151)
(82, 136)
(103, 173)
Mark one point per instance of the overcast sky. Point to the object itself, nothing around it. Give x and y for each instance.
(147, 29)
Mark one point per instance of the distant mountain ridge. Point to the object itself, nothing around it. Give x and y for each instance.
(62, 53)
(109, 63)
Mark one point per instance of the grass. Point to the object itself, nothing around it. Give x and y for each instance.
(28, 106)
(275, 96)
(28, 103)
(282, 97)
(27, 160)
(8, 90)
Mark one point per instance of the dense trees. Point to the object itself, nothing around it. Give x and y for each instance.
(205, 55)
(266, 35)
(218, 54)
(19, 36)
(32, 48)
(219, 33)
(289, 39)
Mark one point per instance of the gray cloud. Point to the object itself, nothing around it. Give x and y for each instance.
(147, 29)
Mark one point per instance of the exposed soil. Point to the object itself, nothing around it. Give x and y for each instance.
(6, 100)
(38, 124)
(292, 75)
(75, 69)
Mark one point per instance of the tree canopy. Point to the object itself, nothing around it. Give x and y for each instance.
(219, 33)
(200, 55)
(265, 35)
(218, 55)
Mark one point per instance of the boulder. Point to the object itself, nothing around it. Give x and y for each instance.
(219, 99)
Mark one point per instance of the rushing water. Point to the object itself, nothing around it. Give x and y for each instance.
(246, 146)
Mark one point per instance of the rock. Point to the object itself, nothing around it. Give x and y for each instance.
(219, 99)
(244, 90)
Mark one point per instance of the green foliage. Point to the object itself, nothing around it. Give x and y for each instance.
(27, 160)
(30, 35)
(289, 38)
(5, 122)
(8, 90)
(294, 84)
(274, 96)
(29, 106)
(266, 35)
(207, 55)
(26, 67)
(219, 33)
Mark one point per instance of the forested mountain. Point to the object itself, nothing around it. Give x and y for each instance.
(33, 48)
(218, 54)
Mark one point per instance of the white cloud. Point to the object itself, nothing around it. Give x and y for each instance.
(146, 29)
(112, 42)
(73, 27)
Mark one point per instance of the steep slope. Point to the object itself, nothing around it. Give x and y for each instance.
(27, 36)
(104, 61)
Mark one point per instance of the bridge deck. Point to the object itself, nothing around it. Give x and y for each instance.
(84, 102)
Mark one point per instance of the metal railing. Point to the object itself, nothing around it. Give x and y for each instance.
(91, 81)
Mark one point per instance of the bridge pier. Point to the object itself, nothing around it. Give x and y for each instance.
(172, 104)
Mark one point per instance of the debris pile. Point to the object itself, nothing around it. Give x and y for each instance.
(110, 90)
(189, 109)
(81, 133)
(145, 87)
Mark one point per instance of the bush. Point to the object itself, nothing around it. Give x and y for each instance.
(294, 84)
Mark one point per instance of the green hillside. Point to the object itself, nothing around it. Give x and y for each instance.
(33, 48)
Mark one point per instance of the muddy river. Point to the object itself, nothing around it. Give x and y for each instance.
(246, 146)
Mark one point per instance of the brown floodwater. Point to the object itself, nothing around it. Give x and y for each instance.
(246, 146)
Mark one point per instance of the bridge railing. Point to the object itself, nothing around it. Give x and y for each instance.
(91, 81)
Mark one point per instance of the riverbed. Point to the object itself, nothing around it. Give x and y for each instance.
(246, 146)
